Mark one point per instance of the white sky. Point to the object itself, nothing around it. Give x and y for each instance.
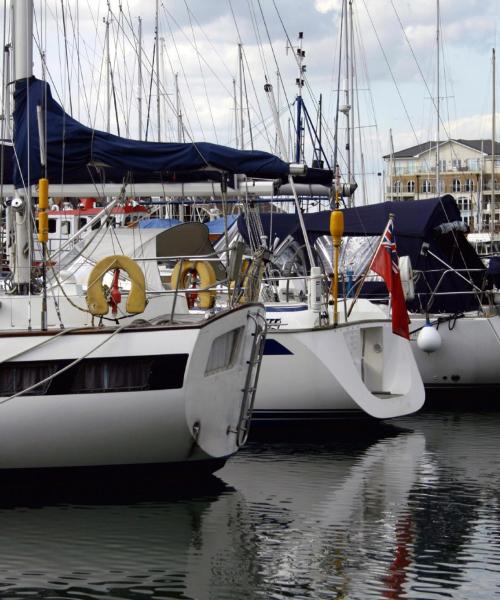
(200, 44)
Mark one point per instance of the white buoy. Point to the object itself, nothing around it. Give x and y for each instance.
(428, 339)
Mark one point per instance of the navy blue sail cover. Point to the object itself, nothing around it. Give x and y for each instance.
(71, 147)
(417, 224)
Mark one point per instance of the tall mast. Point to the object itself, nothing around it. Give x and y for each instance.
(23, 69)
(180, 128)
(108, 75)
(347, 106)
(300, 83)
(438, 191)
(493, 135)
(237, 143)
(157, 42)
(350, 66)
(242, 123)
(139, 77)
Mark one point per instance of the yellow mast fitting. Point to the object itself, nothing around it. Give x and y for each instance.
(43, 205)
(336, 231)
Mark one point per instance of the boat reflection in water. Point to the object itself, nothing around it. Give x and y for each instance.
(411, 513)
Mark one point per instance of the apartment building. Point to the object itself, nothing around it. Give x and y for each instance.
(465, 171)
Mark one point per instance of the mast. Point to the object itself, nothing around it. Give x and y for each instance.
(237, 143)
(300, 82)
(350, 66)
(23, 69)
(157, 40)
(242, 123)
(438, 191)
(347, 106)
(139, 77)
(108, 76)
(493, 135)
(391, 164)
(180, 129)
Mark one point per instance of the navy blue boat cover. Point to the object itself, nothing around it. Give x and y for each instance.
(415, 223)
(71, 147)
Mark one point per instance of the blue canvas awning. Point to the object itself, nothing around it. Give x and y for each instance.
(72, 147)
(435, 222)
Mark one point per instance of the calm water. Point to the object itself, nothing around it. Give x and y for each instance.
(410, 510)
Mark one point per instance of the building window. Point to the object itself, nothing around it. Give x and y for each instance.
(474, 164)
(396, 187)
(426, 186)
(410, 186)
(442, 165)
(456, 186)
(456, 164)
(469, 185)
(412, 167)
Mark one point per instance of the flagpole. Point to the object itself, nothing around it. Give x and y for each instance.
(361, 283)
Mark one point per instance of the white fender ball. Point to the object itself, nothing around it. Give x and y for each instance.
(428, 339)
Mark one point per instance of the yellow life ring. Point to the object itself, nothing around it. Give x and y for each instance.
(204, 272)
(96, 299)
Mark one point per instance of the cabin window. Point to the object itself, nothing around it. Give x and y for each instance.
(65, 228)
(456, 185)
(410, 187)
(223, 352)
(116, 374)
(82, 221)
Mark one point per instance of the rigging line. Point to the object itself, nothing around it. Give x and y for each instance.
(433, 100)
(391, 72)
(440, 120)
(219, 55)
(150, 92)
(169, 14)
(133, 41)
(372, 103)
(276, 62)
(186, 79)
(113, 87)
(248, 107)
(327, 129)
(235, 22)
(259, 113)
(63, 12)
(201, 72)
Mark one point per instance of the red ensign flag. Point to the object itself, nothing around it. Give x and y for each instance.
(385, 263)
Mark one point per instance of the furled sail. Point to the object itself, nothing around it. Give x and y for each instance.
(73, 149)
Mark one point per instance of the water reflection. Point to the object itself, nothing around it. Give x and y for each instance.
(398, 512)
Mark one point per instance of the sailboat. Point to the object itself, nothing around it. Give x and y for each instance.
(454, 321)
(117, 374)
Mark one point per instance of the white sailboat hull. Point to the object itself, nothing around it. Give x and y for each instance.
(182, 418)
(469, 355)
(327, 372)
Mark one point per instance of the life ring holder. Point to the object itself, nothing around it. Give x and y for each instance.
(97, 301)
(207, 278)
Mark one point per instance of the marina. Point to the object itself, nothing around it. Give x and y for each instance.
(246, 352)
(404, 509)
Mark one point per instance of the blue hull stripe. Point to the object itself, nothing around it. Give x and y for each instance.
(274, 348)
